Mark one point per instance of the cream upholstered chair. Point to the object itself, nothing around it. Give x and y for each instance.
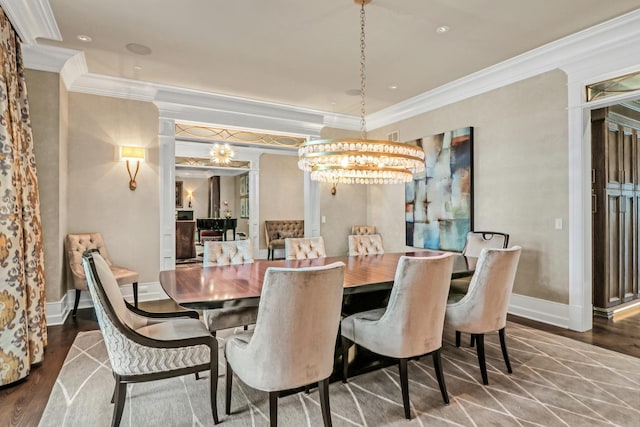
(476, 242)
(76, 245)
(234, 313)
(275, 231)
(363, 229)
(365, 244)
(293, 342)
(483, 308)
(147, 346)
(304, 248)
(411, 325)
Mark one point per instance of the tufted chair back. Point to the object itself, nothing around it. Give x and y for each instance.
(479, 240)
(275, 232)
(304, 248)
(227, 253)
(367, 244)
(363, 229)
(76, 245)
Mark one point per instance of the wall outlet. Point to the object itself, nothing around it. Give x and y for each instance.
(558, 223)
(323, 219)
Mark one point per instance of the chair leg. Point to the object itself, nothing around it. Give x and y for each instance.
(457, 338)
(246, 327)
(479, 338)
(75, 304)
(268, 254)
(213, 384)
(437, 365)
(135, 294)
(197, 376)
(404, 385)
(323, 386)
(472, 341)
(503, 344)
(273, 408)
(120, 396)
(346, 344)
(229, 384)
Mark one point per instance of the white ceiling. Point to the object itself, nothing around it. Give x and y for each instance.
(306, 53)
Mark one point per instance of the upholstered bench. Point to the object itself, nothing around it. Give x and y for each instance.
(275, 231)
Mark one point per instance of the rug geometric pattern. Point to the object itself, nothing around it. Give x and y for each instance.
(556, 381)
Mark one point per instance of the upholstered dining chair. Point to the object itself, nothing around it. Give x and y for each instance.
(483, 308)
(234, 313)
(76, 245)
(293, 342)
(304, 248)
(147, 346)
(365, 244)
(412, 323)
(363, 229)
(476, 242)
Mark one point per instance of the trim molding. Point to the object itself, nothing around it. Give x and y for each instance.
(550, 312)
(57, 312)
(567, 52)
(32, 19)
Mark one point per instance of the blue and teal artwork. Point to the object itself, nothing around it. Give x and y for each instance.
(439, 201)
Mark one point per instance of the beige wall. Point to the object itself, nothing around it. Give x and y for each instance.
(48, 108)
(347, 208)
(200, 199)
(99, 198)
(281, 190)
(520, 176)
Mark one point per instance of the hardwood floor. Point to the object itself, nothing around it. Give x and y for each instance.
(22, 404)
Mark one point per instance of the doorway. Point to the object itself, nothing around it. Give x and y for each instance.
(615, 192)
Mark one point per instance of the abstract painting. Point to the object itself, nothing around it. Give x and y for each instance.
(439, 201)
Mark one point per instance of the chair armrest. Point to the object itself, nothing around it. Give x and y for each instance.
(162, 315)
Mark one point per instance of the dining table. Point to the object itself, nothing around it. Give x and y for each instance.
(199, 287)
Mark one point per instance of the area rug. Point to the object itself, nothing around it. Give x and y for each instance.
(556, 381)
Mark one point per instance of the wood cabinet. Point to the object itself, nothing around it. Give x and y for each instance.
(615, 157)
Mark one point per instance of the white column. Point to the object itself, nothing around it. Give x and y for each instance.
(167, 173)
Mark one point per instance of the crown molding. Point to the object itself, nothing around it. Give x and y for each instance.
(32, 19)
(567, 54)
(49, 58)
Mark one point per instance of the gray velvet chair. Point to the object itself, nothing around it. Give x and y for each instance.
(476, 242)
(483, 308)
(147, 346)
(365, 244)
(412, 323)
(304, 248)
(234, 313)
(294, 339)
(76, 245)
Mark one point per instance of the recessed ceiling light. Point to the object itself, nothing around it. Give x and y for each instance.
(84, 38)
(393, 87)
(443, 29)
(137, 67)
(138, 49)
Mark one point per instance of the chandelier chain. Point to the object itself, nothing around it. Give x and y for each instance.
(363, 75)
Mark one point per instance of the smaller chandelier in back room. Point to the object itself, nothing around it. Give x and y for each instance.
(222, 154)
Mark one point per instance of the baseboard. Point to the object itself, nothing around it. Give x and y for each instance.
(550, 312)
(57, 312)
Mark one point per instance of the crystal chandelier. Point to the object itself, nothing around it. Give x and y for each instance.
(360, 160)
(221, 154)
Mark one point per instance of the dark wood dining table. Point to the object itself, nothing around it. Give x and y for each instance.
(199, 287)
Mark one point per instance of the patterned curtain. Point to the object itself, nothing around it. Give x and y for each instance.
(23, 329)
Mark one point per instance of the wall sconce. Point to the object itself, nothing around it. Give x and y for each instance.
(132, 153)
(189, 193)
